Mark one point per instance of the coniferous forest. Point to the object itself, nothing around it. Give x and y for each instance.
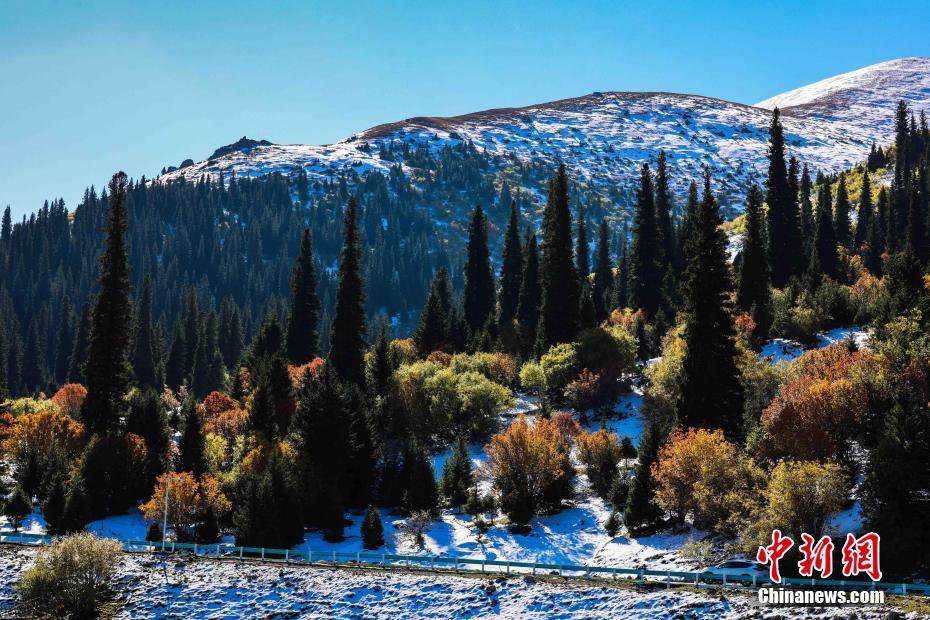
(290, 353)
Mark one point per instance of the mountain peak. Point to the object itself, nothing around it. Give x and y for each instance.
(909, 78)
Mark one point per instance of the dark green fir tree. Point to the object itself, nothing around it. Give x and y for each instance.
(304, 318)
(711, 394)
(107, 371)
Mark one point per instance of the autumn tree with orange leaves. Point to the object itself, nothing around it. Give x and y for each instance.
(189, 499)
(530, 468)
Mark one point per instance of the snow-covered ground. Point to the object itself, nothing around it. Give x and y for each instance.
(781, 350)
(185, 588)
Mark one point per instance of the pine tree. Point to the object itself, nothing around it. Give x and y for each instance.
(478, 298)
(14, 364)
(302, 328)
(372, 529)
(230, 333)
(917, 226)
(192, 443)
(143, 359)
(322, 425)
(191, 324)
(64, 342)
(900, 184)
(780, 224)
(582, 257)
(174, 365)
(877, 234)
(421, 493)
(641, 510)
(457, 475)
(207, 373)
(711, 394)
(864, 221)
(432, 332)
(148, 419)
(53, 508)
(107, 370)
(753, 294)
(807, 214)
(558, 314)
(841, 222)
(511, 270)
(793, 219)
(645, 269)
(587, 315)
(6, 229)
(347, 337)
(382, 367)
(895, 487)
(17, 508)
(663, 210)
(33, 369)
(603, 275)
(530, 297)
(77, 506)
(824, 257)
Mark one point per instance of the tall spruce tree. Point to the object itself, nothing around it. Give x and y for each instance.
(174, 364)
(824, 257)
(645, 269)
(900, 183)
(192, 443)
(322, 426)
(753, 294)
(107, 371)
(347, 337)
(582, 256)
(558, 314)
(780, 226)
(432, 332)
(711, 394)
(841, 222)
(878, 234)
(478, 298)
(806, 215)
(207, 374)
(191, 322)
(511, 270)
(230, 333)
(143, 357)
(864, 221)
(303, 322)
(663, 209)
(530, 297)
(6, 228)
(603, 274)
(64, 342)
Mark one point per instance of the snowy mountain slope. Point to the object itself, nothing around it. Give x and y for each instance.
(604, 138)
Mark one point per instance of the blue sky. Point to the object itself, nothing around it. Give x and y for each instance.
(92, 87)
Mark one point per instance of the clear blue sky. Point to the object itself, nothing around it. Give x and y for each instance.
(92, 87)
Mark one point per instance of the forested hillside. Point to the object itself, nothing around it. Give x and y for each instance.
(228, 336)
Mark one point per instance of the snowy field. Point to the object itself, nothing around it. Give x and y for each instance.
(150, 588)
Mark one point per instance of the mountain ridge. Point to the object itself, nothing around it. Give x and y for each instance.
(605, 137)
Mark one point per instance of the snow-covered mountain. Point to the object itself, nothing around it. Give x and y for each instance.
(605, 137)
